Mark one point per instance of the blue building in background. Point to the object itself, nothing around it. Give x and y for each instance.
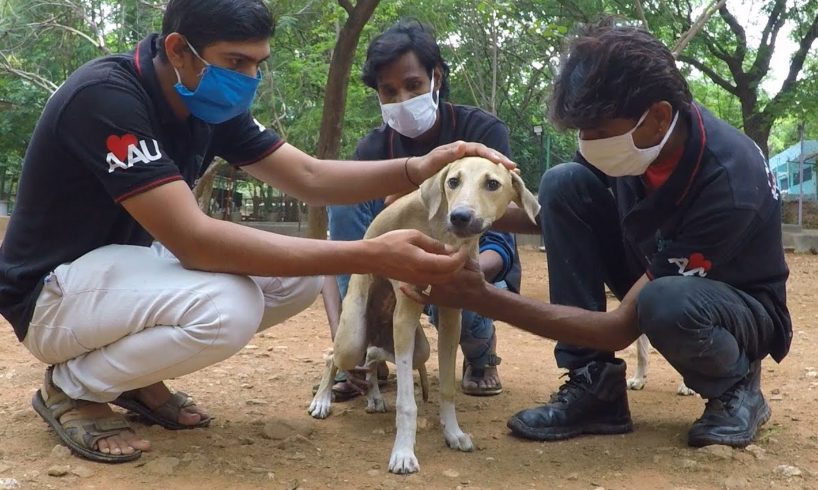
(785, 167)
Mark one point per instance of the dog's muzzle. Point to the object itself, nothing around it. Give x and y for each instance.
(464, 223)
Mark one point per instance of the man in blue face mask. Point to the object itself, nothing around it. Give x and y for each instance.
(112, 275)
(677, 213)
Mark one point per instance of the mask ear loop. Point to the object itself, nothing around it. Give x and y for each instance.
(196, 54)
(432, 92)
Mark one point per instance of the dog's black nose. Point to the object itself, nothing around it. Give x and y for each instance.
(461, 217)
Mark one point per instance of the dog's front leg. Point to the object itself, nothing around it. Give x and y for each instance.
(448, 340)
(322, 401)
(405, 322)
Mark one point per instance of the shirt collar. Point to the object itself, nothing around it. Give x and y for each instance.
(144, 53)
(678, 185)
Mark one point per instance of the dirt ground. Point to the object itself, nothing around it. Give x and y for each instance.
(264, 438)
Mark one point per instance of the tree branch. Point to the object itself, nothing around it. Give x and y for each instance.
(154, 6)
(641, 13)
(38, 80)
(709, 72)
(766, 47)
(696, 27)
(346, 6)
(738, 30)
(52, 24)
(797, 63)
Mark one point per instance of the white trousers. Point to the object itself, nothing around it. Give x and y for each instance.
(123, 317)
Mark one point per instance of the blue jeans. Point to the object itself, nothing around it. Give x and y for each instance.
(349, 222)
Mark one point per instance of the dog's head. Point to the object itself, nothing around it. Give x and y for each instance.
(471, 193)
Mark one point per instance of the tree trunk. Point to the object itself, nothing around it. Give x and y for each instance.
(204, 187)
(335, 96)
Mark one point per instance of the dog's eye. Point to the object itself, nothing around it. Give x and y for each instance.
(453, 182)
(492, 184)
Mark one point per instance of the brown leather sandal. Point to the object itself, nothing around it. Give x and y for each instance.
(165, 415)
(81, 435)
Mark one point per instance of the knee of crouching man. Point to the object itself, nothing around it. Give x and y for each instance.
(662, 306)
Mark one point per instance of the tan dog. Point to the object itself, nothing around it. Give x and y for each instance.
(455, 206)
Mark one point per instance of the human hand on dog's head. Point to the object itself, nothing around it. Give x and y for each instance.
(413, 257)
(465, 290)
(423, 167)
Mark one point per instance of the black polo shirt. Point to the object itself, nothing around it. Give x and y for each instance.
(105, 135)
(457, 122)
(717, 216)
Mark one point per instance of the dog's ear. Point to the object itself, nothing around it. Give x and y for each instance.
(524, 198)
(432, 191)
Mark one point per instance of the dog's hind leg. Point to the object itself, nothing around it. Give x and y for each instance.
(448, 339)
(683, 390)
(374, 400)
(640, 379)
(322, 401)
(350, 339)
(405, 324)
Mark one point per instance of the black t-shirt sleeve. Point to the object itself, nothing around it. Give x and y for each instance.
(243, 140)
(108, 129)
(496, 137)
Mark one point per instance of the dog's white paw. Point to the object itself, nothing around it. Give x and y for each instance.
(403, 462)
(637, 382)
(685, 391)
(375, 405)
(459, 440)
(321, 406)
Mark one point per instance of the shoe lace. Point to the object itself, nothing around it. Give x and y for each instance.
(726, 401)
(577, 383)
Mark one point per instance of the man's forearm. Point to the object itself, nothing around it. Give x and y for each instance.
(609, 331)
(515, 220)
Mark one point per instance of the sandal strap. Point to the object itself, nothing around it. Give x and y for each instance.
(55, 399)
(478, 372)
(173, 406)
(89, 432)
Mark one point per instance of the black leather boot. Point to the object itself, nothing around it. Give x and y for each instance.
(594, 400)
(733, 419)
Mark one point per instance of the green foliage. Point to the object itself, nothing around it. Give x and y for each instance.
(503, 56)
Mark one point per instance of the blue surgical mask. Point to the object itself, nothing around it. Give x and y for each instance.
(222, 94)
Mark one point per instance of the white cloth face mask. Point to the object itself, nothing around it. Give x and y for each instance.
(618, 156)
(414, 116)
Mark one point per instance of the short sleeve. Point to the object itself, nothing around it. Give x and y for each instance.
(496, 137)
(243, 140)
(108, 129)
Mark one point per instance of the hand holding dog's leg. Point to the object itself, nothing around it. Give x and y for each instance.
(403, 459)
(448, 337)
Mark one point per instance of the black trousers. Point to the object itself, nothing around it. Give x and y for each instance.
(709, 331)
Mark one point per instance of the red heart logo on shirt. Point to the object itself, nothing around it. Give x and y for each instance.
(119, 145)
(697, 260)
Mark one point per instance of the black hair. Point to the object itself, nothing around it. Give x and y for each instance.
(204, 22)
(404, 36)
(611, 71)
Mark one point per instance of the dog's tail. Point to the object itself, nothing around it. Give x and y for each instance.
(424, 382)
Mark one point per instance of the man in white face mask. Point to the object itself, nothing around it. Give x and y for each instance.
(406, 70)
(677, 213)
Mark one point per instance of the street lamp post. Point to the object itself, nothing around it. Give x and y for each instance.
(538, 131)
